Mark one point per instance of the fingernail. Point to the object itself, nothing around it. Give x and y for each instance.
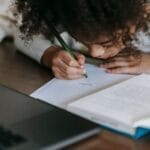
(71, 63)
(84, 71)
(81, 66)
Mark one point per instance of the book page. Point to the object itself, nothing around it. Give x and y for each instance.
(127, 102)
(62, 92)
(144, 123)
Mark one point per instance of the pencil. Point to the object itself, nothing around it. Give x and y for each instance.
(64, 45)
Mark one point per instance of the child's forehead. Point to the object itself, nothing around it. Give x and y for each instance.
(100, 38)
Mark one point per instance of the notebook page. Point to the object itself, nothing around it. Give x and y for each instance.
(62, 92)
(126, 102)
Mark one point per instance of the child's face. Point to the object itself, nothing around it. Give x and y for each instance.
(105, 46)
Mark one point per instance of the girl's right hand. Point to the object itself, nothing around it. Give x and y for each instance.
(63, 65)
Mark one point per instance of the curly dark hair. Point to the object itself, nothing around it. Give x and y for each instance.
(90, 18)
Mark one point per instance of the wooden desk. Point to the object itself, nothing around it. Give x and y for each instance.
(22, 74)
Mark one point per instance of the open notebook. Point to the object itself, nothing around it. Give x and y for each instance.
(118, 102)
(124, 107)
(62, 92)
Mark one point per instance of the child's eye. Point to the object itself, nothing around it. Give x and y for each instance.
(108, 45)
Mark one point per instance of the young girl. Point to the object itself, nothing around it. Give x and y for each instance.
(104, 27)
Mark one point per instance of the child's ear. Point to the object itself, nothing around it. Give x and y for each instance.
(147, 9)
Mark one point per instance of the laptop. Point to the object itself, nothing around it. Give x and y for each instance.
(27, 124)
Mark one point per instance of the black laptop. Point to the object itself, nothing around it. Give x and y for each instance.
(28, 124)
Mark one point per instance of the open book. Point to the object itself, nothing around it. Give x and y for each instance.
(118, 102)
(124, 107)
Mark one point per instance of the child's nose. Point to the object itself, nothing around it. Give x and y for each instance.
(96, 50)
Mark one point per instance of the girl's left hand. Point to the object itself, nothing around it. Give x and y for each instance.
(129, 61)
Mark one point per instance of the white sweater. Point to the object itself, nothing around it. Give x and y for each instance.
(39, 44)
(34, 48)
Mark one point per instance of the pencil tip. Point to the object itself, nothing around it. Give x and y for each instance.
(85, 75)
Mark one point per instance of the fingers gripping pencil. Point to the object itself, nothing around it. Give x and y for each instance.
(64, 45)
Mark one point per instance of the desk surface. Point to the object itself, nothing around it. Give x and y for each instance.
(22, 74)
